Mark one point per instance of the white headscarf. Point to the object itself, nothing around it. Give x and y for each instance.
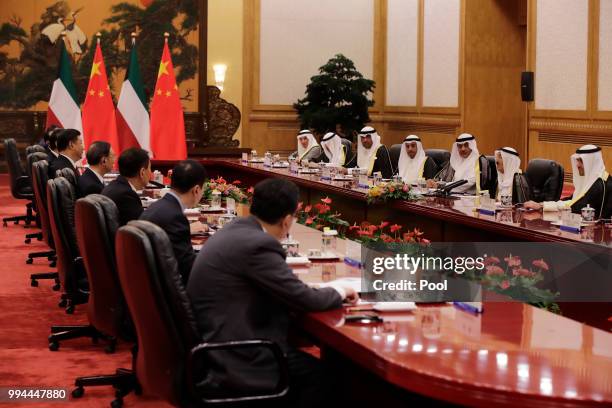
(512, 165)
(333, 142)
(366, 157)
(411, 169)
(312, 142)
(594, 168)
(464, 168)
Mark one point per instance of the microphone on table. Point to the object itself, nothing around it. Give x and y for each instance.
(445, 191)
(156, 184)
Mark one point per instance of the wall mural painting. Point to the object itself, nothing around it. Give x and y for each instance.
(26, 76)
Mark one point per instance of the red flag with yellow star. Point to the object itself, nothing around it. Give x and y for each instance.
(99, 123)
(167, 123)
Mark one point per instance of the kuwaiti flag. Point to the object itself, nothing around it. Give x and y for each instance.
(167, 123)
(63, 108)
(132, 115)
(99, 122)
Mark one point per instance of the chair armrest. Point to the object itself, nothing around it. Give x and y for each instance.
(283, 385)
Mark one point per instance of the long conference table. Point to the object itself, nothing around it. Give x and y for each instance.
(512, 354)
(441, 219)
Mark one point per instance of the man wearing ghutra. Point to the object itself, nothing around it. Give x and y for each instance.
(464, 164)
(337, 151)
(591, 184)
(510, 181)
(372, 155)
(307, 147)
(413, 164)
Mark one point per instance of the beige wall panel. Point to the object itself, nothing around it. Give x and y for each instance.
(441, 38)
(561, 54)
(402, 52)
(299, 36)
(605, 56)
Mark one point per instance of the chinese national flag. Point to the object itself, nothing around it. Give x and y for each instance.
(167, 125)
(99, 123)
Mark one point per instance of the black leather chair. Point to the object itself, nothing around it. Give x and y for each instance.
(69, 175)
(31, 159)
(35, 149)
(394, 154)
(168, 339)
(439, 156)
(97, 220)
(21, 187)
(545, 178)
(488, 175)
(40, 175)
(607, 212)
(60, 203)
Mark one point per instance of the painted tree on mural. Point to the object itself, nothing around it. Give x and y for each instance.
(34, 69)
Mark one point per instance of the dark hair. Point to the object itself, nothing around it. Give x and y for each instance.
(64, 137)
(187, 174)
(49, 132)
(132, 160)
(97, 151)
(274, 199)
(51, 136)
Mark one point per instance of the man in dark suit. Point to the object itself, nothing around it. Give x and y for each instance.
(101, 159)
(49, 143)
(70, 146)
(242, 288)
(134, 175)
(188, 179)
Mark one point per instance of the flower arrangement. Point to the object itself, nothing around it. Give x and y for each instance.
(512, 278)
(227, 190)
(387, 237)
(391, 191)
(320, 215)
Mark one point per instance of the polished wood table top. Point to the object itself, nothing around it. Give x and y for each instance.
(511, 223)
(512, 354)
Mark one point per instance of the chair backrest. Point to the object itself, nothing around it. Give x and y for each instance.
(97, 221)
(164, 320)
(607, 210)
(40, 176)
(13, 164)
(488, 175)
(439, 156)
(60, 204)
(349, 150)
(33, 158)
(394, 153)
(69, 175)
(35, 149)
(545, 179)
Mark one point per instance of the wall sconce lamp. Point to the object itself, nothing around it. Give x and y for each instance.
(220, 70)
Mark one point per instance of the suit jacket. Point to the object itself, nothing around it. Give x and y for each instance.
(242, 288)
(382, 163)
(89, 183)
(50, 154)
(595, 197)
(61, 162)
(167, 214)
(127, 201)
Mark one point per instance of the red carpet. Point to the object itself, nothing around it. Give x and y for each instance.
(26, 315)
